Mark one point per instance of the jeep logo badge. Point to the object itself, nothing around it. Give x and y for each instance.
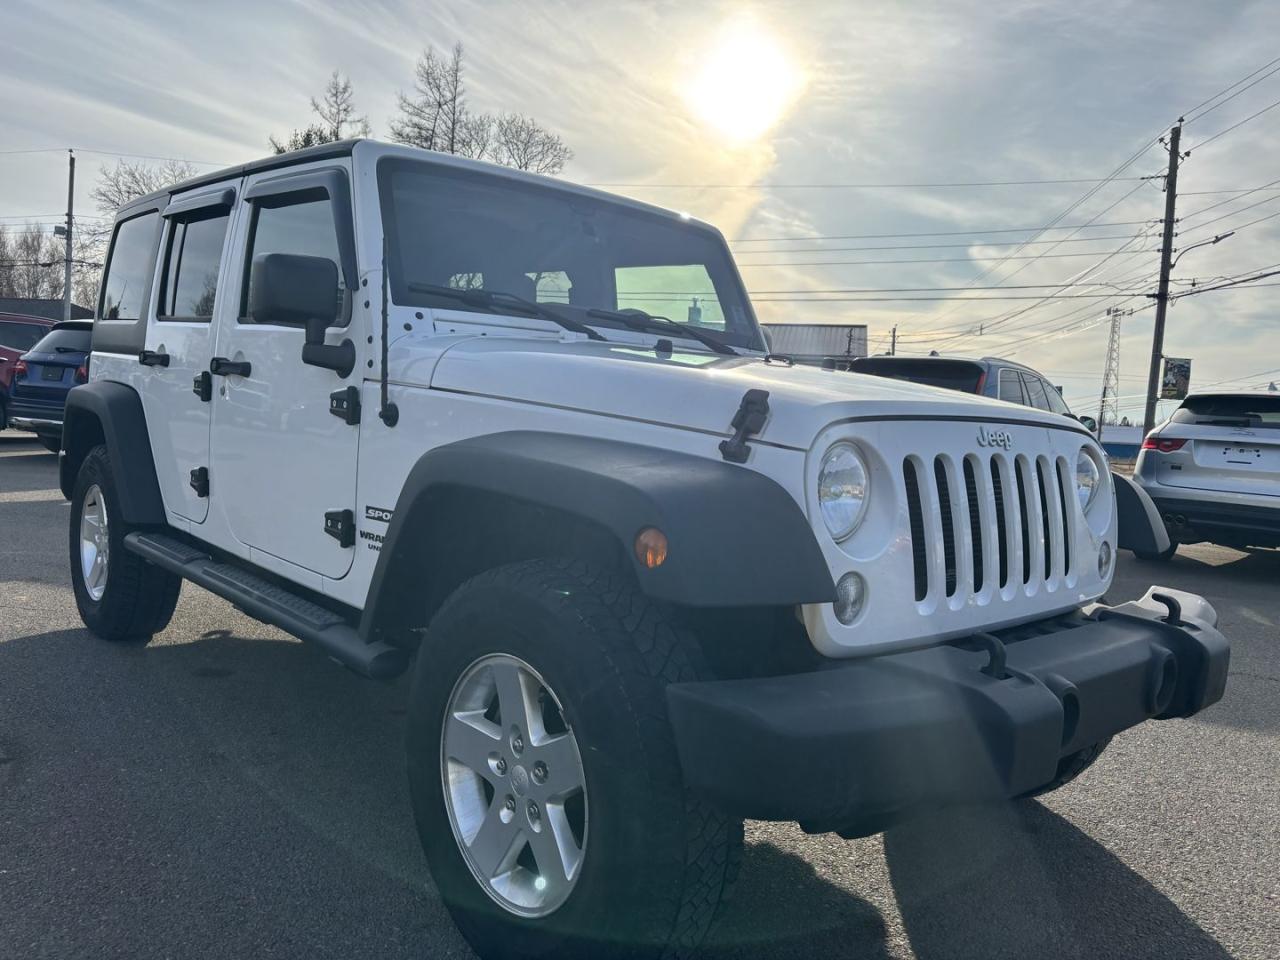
(995, 438)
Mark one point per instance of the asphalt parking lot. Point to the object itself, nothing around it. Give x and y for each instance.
(229, 792)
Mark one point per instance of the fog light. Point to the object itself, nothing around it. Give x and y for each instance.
(851, 596)
(1104, 561)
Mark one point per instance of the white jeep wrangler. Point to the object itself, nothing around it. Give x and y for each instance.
(409, 407)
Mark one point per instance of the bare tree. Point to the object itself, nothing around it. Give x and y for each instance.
(30, 264)
(338, 119)
(337, 109)
(436, 117)
(128, 180)
(522, 143)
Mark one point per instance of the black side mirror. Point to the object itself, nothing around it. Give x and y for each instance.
(1089, 424)
(294, 289)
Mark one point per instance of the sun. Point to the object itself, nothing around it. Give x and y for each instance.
(744, 84)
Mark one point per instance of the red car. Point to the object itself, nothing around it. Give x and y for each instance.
(18, 334)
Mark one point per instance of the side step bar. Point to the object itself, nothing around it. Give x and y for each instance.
(272, 604)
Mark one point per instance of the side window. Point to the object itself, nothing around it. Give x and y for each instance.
(1011, 387)
(190, 281)
(20, 336)
(1056, 403)
(299, 223)
(128, 278)
(1035, 392)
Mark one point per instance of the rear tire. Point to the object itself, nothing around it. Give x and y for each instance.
(653, 863)
(120, 596)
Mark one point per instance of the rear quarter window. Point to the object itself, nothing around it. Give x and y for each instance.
(66, 340)
(21, 336)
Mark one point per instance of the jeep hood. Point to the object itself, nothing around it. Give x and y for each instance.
(696, 391)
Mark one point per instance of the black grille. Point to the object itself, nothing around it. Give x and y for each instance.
(916, 514)
(1002, 534)
(975, 522)
(948, 528)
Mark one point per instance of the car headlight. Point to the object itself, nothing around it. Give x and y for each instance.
(842, 490)
(1088, 478)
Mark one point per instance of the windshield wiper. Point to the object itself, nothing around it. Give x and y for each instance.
(480, 297)
(640, 320)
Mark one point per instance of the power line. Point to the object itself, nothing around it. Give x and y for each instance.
(1223, 133)
(853, 186)
(1192, 115)
(847, 263)
(936, 233)
(1220, 203)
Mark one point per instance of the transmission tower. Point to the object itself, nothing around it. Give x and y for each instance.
(1109, 408)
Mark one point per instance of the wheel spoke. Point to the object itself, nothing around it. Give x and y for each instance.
(564, 768)
(469, 738)
(554, 849)
(515, 700)
(496, 844)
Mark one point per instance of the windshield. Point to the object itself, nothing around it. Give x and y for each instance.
(1261, 411)
(471, 230)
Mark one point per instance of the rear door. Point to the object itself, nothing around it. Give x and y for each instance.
(1230, 443)
(178, 387)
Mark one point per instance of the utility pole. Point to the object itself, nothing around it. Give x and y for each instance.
(1109, 405)
(1166, 264)
(893, 342)
(71, 199)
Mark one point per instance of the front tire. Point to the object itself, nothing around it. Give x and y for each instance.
(633, 865)
(120, 596)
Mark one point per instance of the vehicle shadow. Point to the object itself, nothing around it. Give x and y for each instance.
(1019, 881)
(783, 910)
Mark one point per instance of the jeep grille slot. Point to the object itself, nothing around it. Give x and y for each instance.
(1002, 532)
(916, 514)
(976, 526)
(948, 525)
(991, 522)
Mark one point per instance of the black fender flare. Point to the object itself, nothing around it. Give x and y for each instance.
(736, 537)
(106, 411)
(1139, 525)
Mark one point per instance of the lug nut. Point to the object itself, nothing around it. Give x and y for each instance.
(501, 766)
(511, 804)
(517, 743)
(540, 772)
(533, 811)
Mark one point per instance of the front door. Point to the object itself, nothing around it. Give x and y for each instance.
(179, 342)
(281, 461)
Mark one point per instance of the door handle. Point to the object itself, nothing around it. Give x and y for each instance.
(152, 358)
(222, 367)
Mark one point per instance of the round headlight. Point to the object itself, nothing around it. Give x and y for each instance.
(842, 490)
(1088, 478)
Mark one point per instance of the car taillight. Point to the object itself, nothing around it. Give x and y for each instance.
(1163, 444)
(20, 368)
(82, 373)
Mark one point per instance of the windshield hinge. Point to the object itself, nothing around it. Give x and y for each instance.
(747, 422)
(345, 405)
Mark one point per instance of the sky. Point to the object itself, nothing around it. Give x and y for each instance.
(771, 120)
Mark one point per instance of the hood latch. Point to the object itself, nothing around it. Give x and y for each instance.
(747, 422)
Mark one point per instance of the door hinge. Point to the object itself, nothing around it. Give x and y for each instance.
(345, 405)
(341, 525)
(202, 386)
(747, 422)
(200, 481)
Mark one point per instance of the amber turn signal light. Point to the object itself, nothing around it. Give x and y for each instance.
(651, 547)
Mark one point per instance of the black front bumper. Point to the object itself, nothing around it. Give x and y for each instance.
(858, 744)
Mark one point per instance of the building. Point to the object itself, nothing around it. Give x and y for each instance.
(40, 307)
(817, 343)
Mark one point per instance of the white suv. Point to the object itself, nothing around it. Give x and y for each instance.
(404, 405)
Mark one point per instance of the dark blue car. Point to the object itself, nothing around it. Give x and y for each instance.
(44, 375)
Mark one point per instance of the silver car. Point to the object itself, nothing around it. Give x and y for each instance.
(1213, 471)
